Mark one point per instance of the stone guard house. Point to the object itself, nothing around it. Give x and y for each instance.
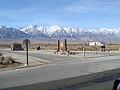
(16, 47)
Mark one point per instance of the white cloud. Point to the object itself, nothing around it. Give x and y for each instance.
(15, 13)
(94, 5)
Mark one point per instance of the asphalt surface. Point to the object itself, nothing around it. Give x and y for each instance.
(62, 67)
(43, 54)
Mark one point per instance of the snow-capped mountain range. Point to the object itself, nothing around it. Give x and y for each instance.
(35, 31)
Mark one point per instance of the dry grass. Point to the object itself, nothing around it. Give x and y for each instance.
(1, 54)
(1, 59)
(5, 45)
(51, 44)
(7, 62)
(75, 47)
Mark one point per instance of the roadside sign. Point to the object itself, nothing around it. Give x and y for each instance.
(26, 43)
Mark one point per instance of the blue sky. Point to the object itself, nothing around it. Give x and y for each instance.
(73, 13)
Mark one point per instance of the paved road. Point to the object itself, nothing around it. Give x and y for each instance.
(52, 58)
(61, 68)
(61, 59)
(107, 85)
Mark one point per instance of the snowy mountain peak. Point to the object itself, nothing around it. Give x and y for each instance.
(56, 31)
(54, 28)
(3, 26)
(30, 27)
(0, 26)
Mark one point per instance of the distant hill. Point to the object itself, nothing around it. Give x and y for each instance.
(35, 31)
(11, 33)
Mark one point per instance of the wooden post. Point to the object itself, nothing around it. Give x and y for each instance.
(26, 43)
(27, 50)
(65, 45)
(84, 52)
(109, 51)
(58, 45)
